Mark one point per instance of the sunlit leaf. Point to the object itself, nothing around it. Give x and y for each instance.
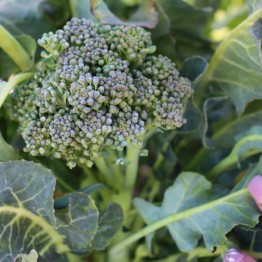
(28, 220)
(31, 257)
(190, 215)
(235, 68)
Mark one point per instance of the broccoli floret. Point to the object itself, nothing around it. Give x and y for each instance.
(97, 87)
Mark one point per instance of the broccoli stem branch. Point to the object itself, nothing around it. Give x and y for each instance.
(105, 170)
(6, 87)
(125, 196)
(102, 166)
(132, 156)
(14, 50)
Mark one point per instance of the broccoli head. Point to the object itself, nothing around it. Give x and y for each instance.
(97, 86)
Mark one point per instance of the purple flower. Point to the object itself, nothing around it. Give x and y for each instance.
(233, 255)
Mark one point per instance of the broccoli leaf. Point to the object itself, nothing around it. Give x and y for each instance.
(236, 67)
(254, 5)
(31, 257)
(250, 238)
(190, 215)
(81, 9)
(28, 220)
(80, 218)
(29, 20)
(224, 140)
(181, 26)
(109, 223)
(193, 67)
(246, 146)
(145, 16)
(7, 152)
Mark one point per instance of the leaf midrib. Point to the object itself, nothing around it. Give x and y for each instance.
(57, 239)
(174, 218)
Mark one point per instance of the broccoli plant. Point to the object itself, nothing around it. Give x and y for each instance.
(130, 130)
(97, 96)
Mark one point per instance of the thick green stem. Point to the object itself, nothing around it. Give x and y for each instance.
(6, 87)
(122, 244)
(102, 166)
(124, 198)
(108, 173)
(132, 157)
(14, 50)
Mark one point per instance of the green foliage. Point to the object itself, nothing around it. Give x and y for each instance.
(235, 68)
(7, 152)
(27, 210)
(145, 16)
(100, 89)
(21, 49)
(191, 216)
(174, 26)
(31, 257)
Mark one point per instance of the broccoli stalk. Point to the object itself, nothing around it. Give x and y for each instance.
(97, 96)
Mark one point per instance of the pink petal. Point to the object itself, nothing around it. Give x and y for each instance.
(255, 189)
(233, 255)
(248, 258)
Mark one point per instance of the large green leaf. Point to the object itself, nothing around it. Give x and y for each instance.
(180, 26)
(108, 223)
(189, 215)
(24, 16)
(80, 218)
(254, 5)
(28, 220)
(235, 68)
(183, 27)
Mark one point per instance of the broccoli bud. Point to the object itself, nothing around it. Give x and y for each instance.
(97, 86)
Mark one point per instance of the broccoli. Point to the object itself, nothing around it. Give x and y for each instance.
(97, 88)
